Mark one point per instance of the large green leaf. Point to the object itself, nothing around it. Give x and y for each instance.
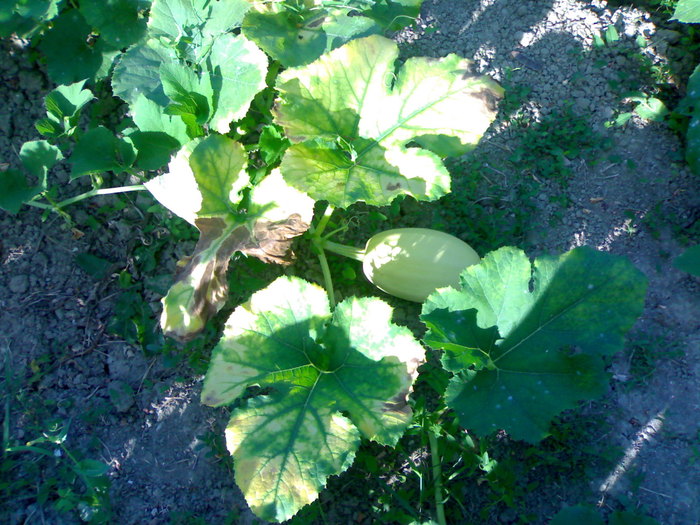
(687, 11)
(119, 22)
(526, 345)
(319, 366)
(202, 186)
(70, 55)
(353, 123)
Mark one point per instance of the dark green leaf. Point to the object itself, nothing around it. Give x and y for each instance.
(38, 157)
(97, 267)
(92, 468)
(14, 190)
(153, 149)
(689, 261)
(99, 151)
(119, 22)
(70, 55)
(272, 144)
(526, 345)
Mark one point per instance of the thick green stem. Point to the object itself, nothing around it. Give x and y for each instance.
(346, 251)
(437, 477)
(319, 244)
(326, 275)
(86, 195)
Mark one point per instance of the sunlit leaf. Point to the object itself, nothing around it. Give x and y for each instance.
(352, 120)
(333, 378)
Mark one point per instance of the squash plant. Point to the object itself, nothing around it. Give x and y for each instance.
(251, 145)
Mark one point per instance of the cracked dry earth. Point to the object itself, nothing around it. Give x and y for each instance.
(632, 200)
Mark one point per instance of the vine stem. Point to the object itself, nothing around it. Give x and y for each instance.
(319, 243)
(437, 477)
(87, 195)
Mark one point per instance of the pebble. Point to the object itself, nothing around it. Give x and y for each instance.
(19, 284)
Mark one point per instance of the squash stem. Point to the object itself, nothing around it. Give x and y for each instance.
(328, 280)
(437, 478)
(347, 251)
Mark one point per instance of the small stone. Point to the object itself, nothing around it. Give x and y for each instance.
(19, 284)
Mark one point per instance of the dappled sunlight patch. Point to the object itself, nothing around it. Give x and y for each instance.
(650, 430)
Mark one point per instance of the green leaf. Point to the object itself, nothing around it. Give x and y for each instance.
(63, 106)
(203, 186)
(525, 346)
(26, 17)
(38, 157)
(137, 73)
(319, 366)
(395, 14)
(70, 55)
(153, 149)
(689, 261)
(295, 37)
(149, 117)
(649, 108)
(272, 144)
(237, 69)
(351, 125)
(176, 19)
(295, 40)
(92, 468)
(578, 515)
(192, 95)
(687, 11)
(66, 101)
(119, 22)
(14, 191)
(99, 151)
(93, 265)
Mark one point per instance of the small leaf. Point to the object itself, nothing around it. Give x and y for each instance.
(521, 352)
(272, 144)
(38, 157)
(318, 366)
(14, 191)
(92, 468)
(651, 108)
(66, 101)
(689, 261)
(99, 151)
(97, 267)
